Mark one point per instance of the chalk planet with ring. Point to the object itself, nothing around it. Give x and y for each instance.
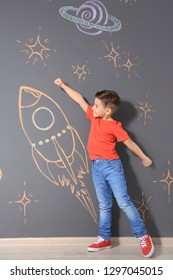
(80, 22)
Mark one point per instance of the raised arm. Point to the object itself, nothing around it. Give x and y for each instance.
(146, 161)
(76, 96)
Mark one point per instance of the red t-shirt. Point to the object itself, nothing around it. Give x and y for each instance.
(103, 137)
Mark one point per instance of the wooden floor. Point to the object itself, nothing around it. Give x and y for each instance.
(76, 249)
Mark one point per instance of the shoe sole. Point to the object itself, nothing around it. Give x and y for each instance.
(98, 249)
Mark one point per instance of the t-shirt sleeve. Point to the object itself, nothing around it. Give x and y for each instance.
(120, 133)
(89, 113)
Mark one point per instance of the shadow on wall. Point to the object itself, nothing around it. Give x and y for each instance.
(126, 114)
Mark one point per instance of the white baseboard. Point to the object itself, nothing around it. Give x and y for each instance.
(61, 241)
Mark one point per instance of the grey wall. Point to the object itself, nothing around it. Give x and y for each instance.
(38, 196)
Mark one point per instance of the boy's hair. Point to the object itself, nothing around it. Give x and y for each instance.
(109, 99)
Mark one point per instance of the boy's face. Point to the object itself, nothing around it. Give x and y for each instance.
(99, 110)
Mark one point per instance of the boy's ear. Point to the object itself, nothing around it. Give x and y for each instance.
(109, 111)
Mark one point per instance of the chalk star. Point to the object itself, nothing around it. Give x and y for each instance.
(168, 180)
(24, 201)
(81, 71)
(146, 111)
(143, 207)
(114, 55)
(37, 48)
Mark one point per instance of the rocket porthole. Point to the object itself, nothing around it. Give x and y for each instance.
(49, 117)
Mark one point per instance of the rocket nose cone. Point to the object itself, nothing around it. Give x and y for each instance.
(28, 96)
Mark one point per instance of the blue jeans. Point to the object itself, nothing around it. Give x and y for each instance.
(108, 177)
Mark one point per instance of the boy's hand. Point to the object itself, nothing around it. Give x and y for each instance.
(58, 82)
(146, 161)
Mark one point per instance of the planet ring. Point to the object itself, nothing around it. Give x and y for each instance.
(116, 27)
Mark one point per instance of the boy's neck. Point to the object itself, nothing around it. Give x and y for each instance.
(107, 118)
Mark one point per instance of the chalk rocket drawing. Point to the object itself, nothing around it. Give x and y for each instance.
(91, 18)
(47, 129)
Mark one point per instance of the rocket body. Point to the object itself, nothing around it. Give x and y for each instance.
(56, 147)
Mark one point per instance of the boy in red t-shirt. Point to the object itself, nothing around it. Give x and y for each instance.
(107, 170)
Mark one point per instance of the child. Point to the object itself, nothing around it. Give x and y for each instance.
(107, 171)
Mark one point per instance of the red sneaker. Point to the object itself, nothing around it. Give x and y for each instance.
(146, 245)
(99, 245)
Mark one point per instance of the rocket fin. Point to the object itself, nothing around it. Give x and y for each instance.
(80, 149)
(43, 166)
(65, 160)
